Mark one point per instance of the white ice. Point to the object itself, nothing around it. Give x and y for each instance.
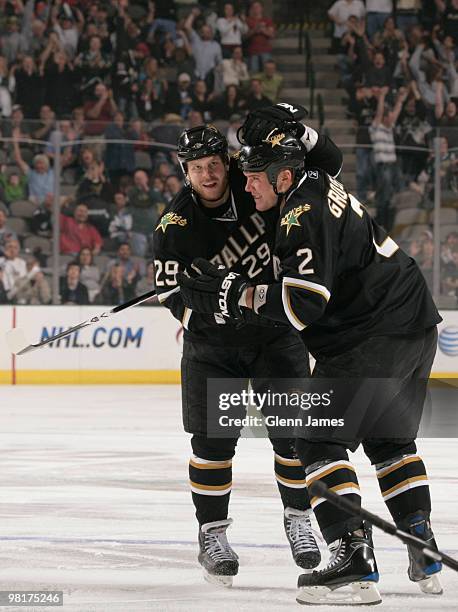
(94, 502)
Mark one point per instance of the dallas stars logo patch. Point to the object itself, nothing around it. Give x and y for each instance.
(170, 219)
(275, 139)
(292, 217)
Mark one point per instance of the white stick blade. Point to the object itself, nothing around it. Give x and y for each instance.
(16, 340)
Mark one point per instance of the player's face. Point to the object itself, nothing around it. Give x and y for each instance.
(208, 177)
(262, 191)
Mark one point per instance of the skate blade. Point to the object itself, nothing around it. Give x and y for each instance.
(431, 585)
(356, 593)
(221, 581)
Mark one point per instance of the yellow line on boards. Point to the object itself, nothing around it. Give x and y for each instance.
(122, 377)
(92, 377)
(444, 375)
(5, 377)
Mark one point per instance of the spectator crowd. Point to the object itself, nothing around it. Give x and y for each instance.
(397, 61)
(111, 84)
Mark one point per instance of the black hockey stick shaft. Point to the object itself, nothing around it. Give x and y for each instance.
(319, 489)
(104, 315)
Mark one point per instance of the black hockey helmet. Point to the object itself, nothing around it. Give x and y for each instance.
(279, 151)
(201, 141)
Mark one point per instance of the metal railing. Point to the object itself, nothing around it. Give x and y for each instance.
(303, 12)
(321, 113)
(310, 75)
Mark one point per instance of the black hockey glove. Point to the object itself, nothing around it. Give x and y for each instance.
(260, 123)
(214, 290)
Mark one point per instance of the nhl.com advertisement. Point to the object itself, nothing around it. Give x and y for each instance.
(144, 339)
(112, 336)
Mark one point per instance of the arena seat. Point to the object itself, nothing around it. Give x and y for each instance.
(23, 208)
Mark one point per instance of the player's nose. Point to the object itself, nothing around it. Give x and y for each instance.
(207, 174)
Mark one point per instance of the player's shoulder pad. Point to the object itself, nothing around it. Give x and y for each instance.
(294, 216)
(181, 201)
(311, 185)
(314, 174)
(304, 204)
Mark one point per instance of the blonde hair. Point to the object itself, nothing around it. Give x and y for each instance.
(42, 158)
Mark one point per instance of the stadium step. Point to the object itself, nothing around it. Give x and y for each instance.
(298, 93)
(314, 33)
(343, 135)
(350, 156)
(290, 61)
(297, 79)
(292, 65)
(299, 70)
(349, 181)
(334, 111)
(290, 45)
(340, 125)
(349, 167)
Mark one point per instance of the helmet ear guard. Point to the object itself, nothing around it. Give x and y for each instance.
(184, 170)
(274, 170)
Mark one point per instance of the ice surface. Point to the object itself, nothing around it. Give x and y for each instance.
(95, 503)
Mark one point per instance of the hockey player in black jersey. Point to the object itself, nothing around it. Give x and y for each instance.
(214, 217)
(364, 311)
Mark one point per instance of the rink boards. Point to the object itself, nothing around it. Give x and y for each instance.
(141, 346)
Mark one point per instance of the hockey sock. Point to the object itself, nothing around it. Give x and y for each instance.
(211, 483)
(404, 486)
(340, 477)
(290, 475)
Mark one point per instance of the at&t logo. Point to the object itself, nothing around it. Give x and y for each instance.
(448, 341)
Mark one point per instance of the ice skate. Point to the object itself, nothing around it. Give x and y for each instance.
(219, 561)
(349, 578)
(298, 528)
(423, 569)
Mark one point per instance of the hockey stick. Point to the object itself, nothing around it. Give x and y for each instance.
(18, 343)
(319, 489)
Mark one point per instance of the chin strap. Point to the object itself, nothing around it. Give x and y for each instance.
(284, 194)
